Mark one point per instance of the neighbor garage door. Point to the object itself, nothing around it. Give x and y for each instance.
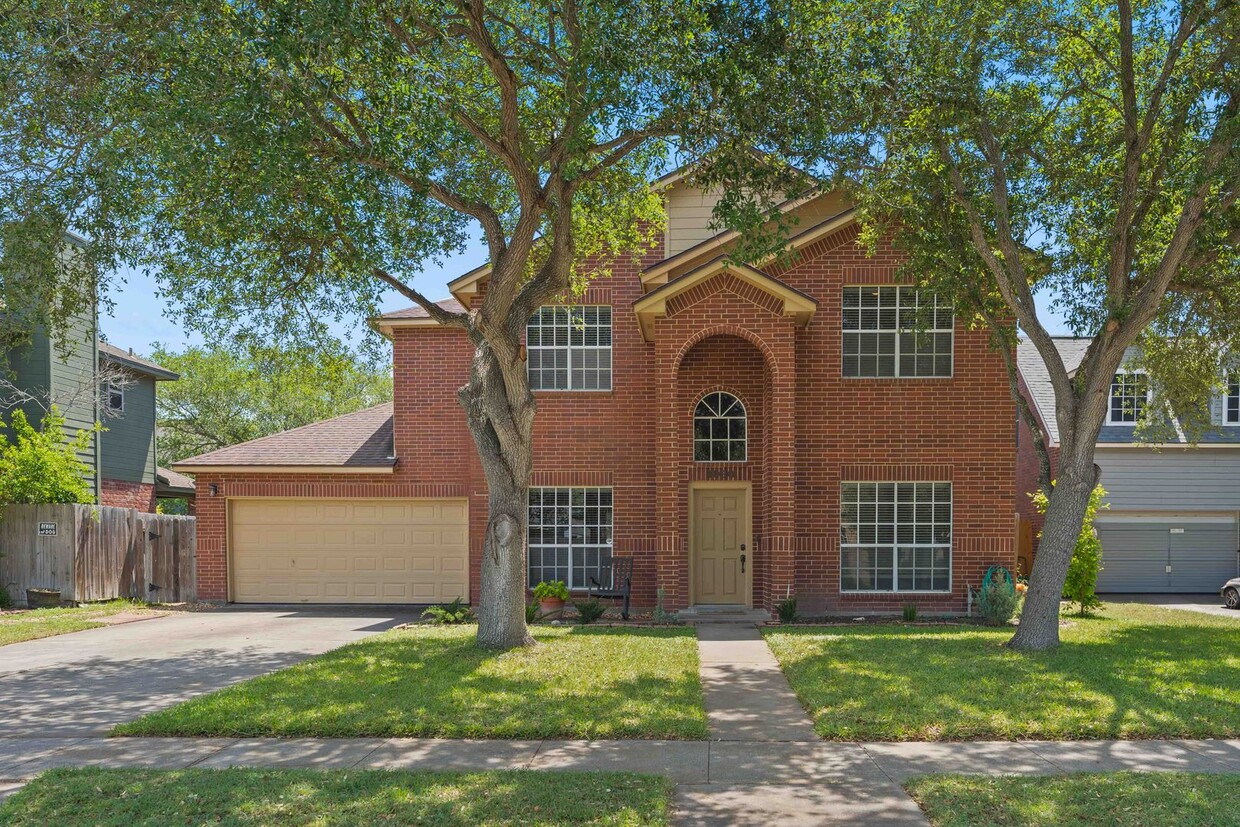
(348, 551)
(1157, 553)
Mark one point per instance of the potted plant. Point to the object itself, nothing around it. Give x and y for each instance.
(551, 595)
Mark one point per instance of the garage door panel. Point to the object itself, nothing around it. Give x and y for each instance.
(340, 551)
(1166, 554)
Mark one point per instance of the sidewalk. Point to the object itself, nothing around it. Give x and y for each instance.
(763, 765)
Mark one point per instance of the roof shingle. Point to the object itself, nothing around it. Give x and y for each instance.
(362, 439)
(418, 312)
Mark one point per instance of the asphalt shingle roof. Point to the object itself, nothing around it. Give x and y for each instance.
(137, 363)
(362, 439)
(418, 312)
(167, 479)
(1038, 379)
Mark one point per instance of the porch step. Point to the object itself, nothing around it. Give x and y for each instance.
(723, 614)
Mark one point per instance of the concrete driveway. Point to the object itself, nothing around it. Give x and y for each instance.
(1204, 603)
(84, 683)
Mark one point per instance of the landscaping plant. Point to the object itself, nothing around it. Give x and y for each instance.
(588, 611)
(910, 612)
(450, 614)
(42, 466)
(531, 612)
(786, 609)
(1082, 578)
(997, 599)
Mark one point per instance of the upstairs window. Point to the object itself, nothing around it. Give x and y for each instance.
(897, 332)
(114, 397)
(569, 348)
(719, 424)
(1231, 411)
(1130, 392)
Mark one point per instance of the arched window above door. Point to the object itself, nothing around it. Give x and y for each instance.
(719, 429)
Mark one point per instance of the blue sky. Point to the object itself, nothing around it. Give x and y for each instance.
(141, 317)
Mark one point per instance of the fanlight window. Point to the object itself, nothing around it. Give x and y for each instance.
(719, 429)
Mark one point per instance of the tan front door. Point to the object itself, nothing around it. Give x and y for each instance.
(721, 548)
(348, 551)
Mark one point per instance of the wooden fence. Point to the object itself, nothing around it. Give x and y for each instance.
(97, 553)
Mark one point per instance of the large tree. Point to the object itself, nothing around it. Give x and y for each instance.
(231, 395)
(1080, 152)
(277, 162)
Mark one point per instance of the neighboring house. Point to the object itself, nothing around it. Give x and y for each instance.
(121, 458)
(743, 432)
(1172, 525)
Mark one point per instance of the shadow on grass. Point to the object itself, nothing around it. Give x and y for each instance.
(434, 682)
(120, 798)
(1111, 678)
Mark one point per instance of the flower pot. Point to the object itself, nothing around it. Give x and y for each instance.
(552, 608)
(42, 598)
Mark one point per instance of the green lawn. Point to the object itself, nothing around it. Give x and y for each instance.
(1133, 672)
(579, 682)
(31, 625)
(311, 798)
(1122, 799)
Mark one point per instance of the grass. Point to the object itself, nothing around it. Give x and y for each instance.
(1122, 799)
(432, 681)
(1133, 671)
(297, 798)
(18, 626)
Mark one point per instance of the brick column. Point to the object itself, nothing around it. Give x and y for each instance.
(781, 470)
(671, 547)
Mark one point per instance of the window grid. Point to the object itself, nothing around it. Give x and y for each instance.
(719, 429)
(1233, 400)
(569, 348)
(897, 332)
(895, 536)
(1129, 395)
(570, 535)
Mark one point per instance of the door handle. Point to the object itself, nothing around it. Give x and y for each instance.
(742, 564)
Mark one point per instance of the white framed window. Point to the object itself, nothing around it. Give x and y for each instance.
(568, 348)
(1130, 393)
(1231, 407)
(719, 429)
(895, 536)
(570, 535)
(897, 332)
(114, 397)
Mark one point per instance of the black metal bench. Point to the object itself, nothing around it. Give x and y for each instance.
(621, 585)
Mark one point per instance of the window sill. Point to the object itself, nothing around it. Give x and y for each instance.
(572, 393)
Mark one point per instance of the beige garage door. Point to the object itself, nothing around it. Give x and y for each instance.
(349, 551)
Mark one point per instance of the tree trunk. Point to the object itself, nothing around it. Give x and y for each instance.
(1065, 515)
(505, 443)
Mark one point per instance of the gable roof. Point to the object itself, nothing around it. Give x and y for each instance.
(800, 306)
(168, 481)
(353, 443)
(135, 363)
(1038, 378)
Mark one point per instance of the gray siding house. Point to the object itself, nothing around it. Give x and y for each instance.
(121, 458)
(1173, 522)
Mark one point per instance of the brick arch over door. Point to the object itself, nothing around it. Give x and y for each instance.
(726, 330)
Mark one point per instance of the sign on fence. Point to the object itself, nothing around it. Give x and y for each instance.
(47, 529)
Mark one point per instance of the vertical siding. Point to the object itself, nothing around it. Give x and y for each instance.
(129, 441)
(1172, 479)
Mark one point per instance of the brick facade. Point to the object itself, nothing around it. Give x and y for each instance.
(810, 429)
(121, 494)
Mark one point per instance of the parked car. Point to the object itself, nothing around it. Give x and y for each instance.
(1231, 593)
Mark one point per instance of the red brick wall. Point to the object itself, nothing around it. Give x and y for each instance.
(121, 494)
(810, 430)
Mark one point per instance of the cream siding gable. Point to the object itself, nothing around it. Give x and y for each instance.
(690, 211)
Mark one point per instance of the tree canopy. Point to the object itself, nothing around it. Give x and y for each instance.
(231, 395)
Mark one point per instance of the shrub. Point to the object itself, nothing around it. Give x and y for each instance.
(450, 614)
(1082, 578)
(42, 466)
(787, 610)
(531, 612)
(590, 610)
(997, 599)
(551, 590)
(660, 615)
(6, 602)
(910, 612)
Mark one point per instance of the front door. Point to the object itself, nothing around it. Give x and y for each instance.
(720, 545)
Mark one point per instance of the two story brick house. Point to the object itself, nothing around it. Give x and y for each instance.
(743, 432)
